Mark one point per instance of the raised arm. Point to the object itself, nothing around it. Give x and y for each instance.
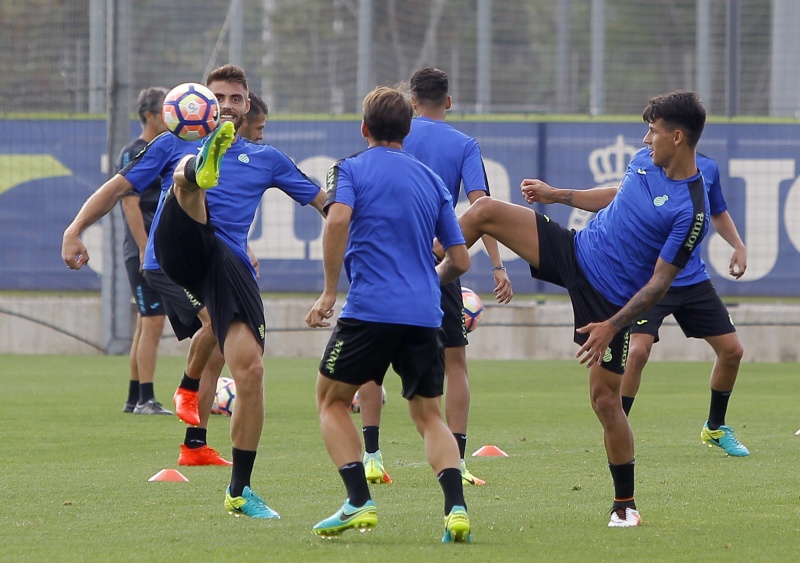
(593, 199)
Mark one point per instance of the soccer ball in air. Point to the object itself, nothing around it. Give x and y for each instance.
(355, 405)
(226, 396)
(473, 308)
(190, 111)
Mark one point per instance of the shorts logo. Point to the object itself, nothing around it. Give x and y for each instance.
(331, 363)
(625, 349)
(262, 331)
(607, 357)
(641, 322)
(731, 320)
(546, 218)
(192, 299)
(244, 158)
(660, 200)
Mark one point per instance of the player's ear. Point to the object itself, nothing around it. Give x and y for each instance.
(364, 130)
(678, 136)
(448, 102)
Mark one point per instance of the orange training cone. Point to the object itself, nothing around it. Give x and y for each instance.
(488, 451)
(169, 475)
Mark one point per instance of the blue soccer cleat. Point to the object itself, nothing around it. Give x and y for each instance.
(724, 437)
(249, 504)
(362, 518)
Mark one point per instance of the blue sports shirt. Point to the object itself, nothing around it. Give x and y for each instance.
(695, 271)
(399, 205)
(651, 217)
(454, 156)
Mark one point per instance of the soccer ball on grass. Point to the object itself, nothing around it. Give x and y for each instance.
(190, 111)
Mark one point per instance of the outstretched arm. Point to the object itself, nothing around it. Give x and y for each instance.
(724, 225)
(593, 199)
(73, 252)
(601, 334)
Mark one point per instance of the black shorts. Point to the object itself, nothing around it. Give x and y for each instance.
(148, 300)
(697, 308)
(195, 258)
(558, 264)
(454, 331)
(181, 306)
(361, 351)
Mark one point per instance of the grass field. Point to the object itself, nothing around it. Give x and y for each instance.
(75, 471)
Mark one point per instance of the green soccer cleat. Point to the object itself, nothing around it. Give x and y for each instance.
(468, 478)
(724, 438)
(348, 517)
(456, 526)
(207, 164)
(249, 504)
(374, 469)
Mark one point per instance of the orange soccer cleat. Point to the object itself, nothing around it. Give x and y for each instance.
(204, 455)
(186, 406)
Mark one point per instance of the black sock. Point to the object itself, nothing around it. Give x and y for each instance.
(627, 403)
(453, 488)
(133, 391)
(719, 406)
(243, 461)
(189, 171)
(461, 440)
(146, 392)
(189, 383)
(371, 439)
(355, 481)
(195, 437)
(623, 484)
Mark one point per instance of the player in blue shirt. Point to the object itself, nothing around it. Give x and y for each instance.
(700, 313)
(456, 159)
(620, 265)
(138, 210)
(384, 208)
(201, 244)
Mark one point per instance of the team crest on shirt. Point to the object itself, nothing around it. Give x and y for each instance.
(244, 158)
(660, 200)
(607, 164)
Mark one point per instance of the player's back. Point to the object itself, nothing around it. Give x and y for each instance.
(397, 205)
(453, 155)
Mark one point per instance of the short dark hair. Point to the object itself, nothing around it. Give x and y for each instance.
(228, 73)
(257, 106)
(679, 109)
(150, 99)
(387, 114)
(430, 85)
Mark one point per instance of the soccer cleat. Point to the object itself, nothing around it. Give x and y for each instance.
(374, 470)
(622, 517)
(467, 477)
(204, 455)
(249, 504)
(128, 408)
(207, 164)
(456, 526)
(186, 406)
(362, 518)
(150, 407)
(724, 438)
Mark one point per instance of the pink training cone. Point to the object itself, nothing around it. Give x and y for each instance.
(172, 475)
(490, 451)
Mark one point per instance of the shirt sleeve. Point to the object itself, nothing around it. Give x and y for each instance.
(288, 178)
(473, 172)
(339, 184)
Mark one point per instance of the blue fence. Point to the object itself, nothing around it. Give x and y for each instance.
(48, 168)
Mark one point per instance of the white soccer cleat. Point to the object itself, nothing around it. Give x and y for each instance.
(624, 518)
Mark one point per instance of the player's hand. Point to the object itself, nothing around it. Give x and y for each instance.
(600, 336)
(502, 287)
(73, 252)
(536, 191)
(738, 263)
(321, 311)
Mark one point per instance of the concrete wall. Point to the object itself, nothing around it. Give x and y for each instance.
(523, 330)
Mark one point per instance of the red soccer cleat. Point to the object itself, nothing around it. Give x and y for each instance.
(204, 455)
(186, 406)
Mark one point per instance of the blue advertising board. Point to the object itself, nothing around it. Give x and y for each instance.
(49, 167)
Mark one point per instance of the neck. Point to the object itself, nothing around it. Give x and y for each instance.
(437, 113)
(681, 167)
(149, 133)
(386, 144)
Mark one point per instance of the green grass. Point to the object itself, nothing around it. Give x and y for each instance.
(75, 471)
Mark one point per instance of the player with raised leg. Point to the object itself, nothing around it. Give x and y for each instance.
(372, 196)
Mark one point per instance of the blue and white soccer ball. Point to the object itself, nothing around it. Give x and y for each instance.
(473, 308)
(225, 400)
(190, 111)
(355, 405)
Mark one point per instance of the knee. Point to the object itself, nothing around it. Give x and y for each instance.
(605, 402)
(638, 355)
(732, 354)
